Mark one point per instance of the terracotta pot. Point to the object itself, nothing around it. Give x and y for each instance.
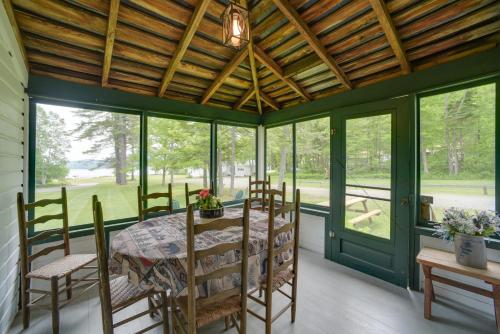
(470, 250)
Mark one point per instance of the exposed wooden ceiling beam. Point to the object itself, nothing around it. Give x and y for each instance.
(17, 32)
(191, 28)
(114, 6)
(253, 65)
(269, 101)
(384, 18)
(277, 71)
(244, 99)
(291, 14)
(228, 69)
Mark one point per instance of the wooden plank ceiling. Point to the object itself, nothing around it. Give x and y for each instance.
(301, 50)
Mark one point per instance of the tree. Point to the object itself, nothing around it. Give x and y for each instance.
(109, 130)
(51, 147)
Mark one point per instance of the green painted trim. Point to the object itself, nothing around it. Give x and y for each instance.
(462, 70)
(213, 155)
(111, 99)
(497, 145)
(294, 160)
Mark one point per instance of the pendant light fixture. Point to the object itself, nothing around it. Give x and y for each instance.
(235, 30)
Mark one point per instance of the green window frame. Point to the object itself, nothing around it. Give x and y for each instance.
(145, 115)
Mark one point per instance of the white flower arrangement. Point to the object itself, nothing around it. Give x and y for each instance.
(481, 223)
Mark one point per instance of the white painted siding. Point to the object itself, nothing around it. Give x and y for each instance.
(13, 76)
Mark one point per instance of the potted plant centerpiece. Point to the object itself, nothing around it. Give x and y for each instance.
(468, 231)
(209, 205)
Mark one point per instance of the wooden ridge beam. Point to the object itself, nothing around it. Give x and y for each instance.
(384, 18)
(226, 72)
(244, 99)
(194, 21)
(269, 101)
(278, 71)
(253, 65)
(17, 32)
(114, 6)
(291, 14)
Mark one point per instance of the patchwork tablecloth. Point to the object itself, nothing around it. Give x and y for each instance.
(153, 252)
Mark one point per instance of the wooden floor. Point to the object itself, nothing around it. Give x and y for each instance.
(332, 299)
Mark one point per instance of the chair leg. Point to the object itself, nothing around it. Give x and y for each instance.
(269, 310)
(25, 299)
(164, 311)
(69, 291)
(294, 298)
(54, 282)
(226, 323)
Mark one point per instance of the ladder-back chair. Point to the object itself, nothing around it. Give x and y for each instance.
(191, 311)
(117, 294)
(279, 209)
(62, 267)
(189, 193)
(258, 191)
(168, 208)
(286, 272)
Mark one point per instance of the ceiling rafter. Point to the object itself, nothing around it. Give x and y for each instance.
(384, 18)
(17, 32)
(114, 6)
(278, 71)
(244, 99)
(291, 14)
(181, 48)
(253, 65)
(226, 72)
(269, 101)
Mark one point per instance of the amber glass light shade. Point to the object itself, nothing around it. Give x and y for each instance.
(235, 30)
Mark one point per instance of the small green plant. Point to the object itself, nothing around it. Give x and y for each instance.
(481, 223)
(207, 201)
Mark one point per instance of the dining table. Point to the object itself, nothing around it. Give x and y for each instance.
(153, 252)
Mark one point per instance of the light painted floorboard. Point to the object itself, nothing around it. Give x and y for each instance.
(332, 299)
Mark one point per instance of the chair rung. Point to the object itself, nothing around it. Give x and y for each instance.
(257, 300)
(277, 315)
(256, 315)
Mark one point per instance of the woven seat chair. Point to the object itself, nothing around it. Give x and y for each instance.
(192, 312)
(189, 193)
(286, 272)
(168, 208)
(118, 293)
(56, 270)
(258, 191)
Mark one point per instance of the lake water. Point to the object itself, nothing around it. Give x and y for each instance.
(90, 173)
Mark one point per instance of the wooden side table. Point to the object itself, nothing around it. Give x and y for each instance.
(431, 258)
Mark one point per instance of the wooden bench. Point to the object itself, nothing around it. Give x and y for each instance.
(431, 258)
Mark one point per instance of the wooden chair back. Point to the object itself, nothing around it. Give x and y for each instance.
(194, 256)
(157, 208)
(279, 209)
(102, 263)
(258, 191)
(189, 193)
(293, 243)
(24, 225)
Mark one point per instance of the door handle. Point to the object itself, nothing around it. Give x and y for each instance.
(405, 201)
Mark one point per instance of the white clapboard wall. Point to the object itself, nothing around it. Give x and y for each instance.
(13, 115)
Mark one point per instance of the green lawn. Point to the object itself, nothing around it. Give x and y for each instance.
(121, 201)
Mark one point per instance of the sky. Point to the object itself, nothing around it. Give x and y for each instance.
(78, 146)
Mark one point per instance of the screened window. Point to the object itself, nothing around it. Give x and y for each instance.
(89, 152)
(457, 151)
(178, 153)
(279, 158)
(235, 161)
(313, 161)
